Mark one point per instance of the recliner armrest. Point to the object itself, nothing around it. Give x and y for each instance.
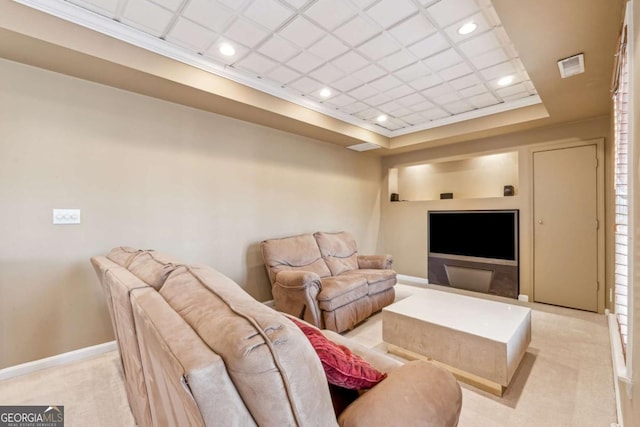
(379, 262)
(416, 394)
(296, 292)
(295, 279)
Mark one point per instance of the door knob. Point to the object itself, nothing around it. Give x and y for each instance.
(540, 222)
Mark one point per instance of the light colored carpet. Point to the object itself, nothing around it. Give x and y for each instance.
(565, 379)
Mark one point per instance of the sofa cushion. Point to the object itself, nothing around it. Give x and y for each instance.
(339, 251)
(153, 267)
(271, 363)
(293, 253)
(378, 280)
(123, 255)
(342, 367)
(341, 290)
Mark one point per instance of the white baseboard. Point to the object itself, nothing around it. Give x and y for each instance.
(57, 360)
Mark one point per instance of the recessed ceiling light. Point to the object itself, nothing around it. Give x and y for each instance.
(505, 81)
(467, 28)
(227, 50)
(381, 118)
(325, 92)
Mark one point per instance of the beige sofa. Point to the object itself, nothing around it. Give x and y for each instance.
(322, 279)
(197, 350)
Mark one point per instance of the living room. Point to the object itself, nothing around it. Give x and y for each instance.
(164, 169)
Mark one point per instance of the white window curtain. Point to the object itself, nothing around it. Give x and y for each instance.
(620, 89)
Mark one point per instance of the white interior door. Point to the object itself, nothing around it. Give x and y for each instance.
(566, 227)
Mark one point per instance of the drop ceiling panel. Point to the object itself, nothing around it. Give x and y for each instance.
(401, 58)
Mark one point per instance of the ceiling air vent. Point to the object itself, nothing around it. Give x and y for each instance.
(365, 146)
(571, 66)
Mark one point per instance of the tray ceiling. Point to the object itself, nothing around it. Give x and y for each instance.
(402, 59)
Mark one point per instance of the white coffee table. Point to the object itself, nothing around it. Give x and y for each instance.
(481, 341)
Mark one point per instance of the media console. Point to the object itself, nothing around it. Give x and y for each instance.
(475, 250)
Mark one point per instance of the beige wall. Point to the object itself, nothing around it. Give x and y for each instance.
(404, 224)
(150, 174)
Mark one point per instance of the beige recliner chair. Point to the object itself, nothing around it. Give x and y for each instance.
(321, 278)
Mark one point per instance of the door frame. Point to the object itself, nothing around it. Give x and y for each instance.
(600, 203)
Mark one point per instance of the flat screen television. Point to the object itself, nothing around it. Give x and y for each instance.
(488, 234)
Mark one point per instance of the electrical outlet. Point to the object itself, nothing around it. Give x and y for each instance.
(66, 216)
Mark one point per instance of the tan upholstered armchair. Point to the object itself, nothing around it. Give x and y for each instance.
(321, 278)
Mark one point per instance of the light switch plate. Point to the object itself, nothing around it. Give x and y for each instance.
(66, 216)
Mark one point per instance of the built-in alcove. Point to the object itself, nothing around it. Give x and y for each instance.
(475, 177)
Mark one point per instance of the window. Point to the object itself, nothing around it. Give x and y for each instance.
(621, 185)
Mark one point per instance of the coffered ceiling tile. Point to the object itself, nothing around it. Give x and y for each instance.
(498, 71)
(413, 29)
(257, 64)
(413, 118)
(388, 12)
(443, 60)
(421, 106)
(328, 48)
(385, 83)
(245, 33)
(347, 83)
(401, 112)
(354, 108)
(457, 107)
(426, 81)
(378, 47)
(489, 58)
(368, 114)
(397, 60)
(435, 114)
(103, 7)
(483, 100)
(392, 124)
(278, 48)
(268, 13)
(193, 36)
(306, 85)
(329, 14)
(378, 99)
(480, 44)
(409, 100)
(147, 16)
(363, 92)
(399, 91)
(233, 4)
(429, 46)
(208, 14)
(446, 12)
(302, 32)
(327, 74)
(350, 62)
(456, 71)
(283, 75)
(412, 72)
(390, 106)
(172, 5)
(447, 98)
(473, 90)
(341, 100)
(304, 62)
(512, 90)
(465, 82)
(515, 97)
(436, 91)
(369, 73)
(357, 31)
(362, 4)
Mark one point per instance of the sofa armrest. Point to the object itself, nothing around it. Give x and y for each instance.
(379, 262)
(418, 393)
(296, 293)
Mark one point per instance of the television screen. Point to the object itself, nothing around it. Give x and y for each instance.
(484, 234)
